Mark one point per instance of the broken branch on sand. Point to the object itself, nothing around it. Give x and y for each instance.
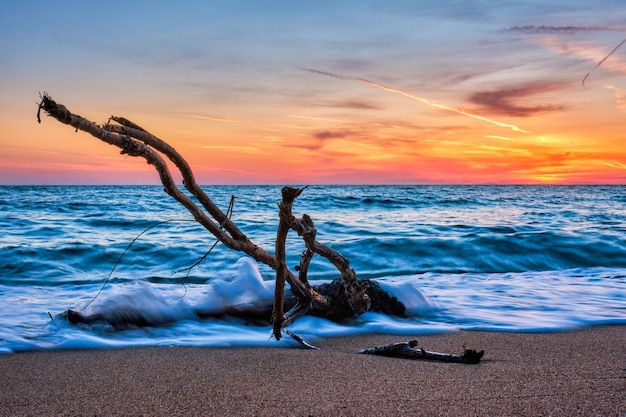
(410, 350)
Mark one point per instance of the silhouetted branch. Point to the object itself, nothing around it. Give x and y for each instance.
(326, 300)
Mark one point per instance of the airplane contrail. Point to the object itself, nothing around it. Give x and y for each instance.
(421, 99)
(602, 60)
(499, 137)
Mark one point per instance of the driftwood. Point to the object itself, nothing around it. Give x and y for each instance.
(259, 314)
(410, 350)
(341, 299)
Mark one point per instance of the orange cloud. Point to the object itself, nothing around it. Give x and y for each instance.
(211, 118)
(506, 101)
(420, 99)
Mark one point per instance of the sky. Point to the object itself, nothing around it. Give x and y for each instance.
(320, 92)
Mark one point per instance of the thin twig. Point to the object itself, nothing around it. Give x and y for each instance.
(119, 260)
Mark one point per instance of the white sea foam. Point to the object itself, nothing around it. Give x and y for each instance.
(243, 287)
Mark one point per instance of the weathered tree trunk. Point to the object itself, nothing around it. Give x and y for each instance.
(338, 300)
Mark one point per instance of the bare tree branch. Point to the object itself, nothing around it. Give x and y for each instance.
(324, 300)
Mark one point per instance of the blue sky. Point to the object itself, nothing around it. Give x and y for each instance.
(227, 76)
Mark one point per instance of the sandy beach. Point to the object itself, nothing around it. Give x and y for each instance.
(527, 374)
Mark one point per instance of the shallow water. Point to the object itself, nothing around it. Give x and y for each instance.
(514, 258)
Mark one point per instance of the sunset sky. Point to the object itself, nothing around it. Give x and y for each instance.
(320, 92)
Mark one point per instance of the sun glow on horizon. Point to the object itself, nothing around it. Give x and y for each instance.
(444, 104)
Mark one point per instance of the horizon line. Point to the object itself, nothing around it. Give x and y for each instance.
(451, 184)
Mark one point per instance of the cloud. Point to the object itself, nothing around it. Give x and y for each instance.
(559, 30)
(620, 100)
(353, 104)
(620, 97)
(500, 137)
(317, 140)
(327, 134)
(506, 101)
(234, 148)
(323, 119)
(211, 118)
(414, 97)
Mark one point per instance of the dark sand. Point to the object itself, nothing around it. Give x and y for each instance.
(522, 374)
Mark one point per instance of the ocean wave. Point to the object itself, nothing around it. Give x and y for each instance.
(510, 258)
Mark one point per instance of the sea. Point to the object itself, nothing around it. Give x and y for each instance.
(486, 257)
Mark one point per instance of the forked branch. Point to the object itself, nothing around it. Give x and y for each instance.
(134, 140)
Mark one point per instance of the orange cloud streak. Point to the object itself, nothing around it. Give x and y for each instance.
(421, 99)
(499, 137)
(211, 118)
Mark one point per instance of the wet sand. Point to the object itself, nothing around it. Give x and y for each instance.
(526, 374)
